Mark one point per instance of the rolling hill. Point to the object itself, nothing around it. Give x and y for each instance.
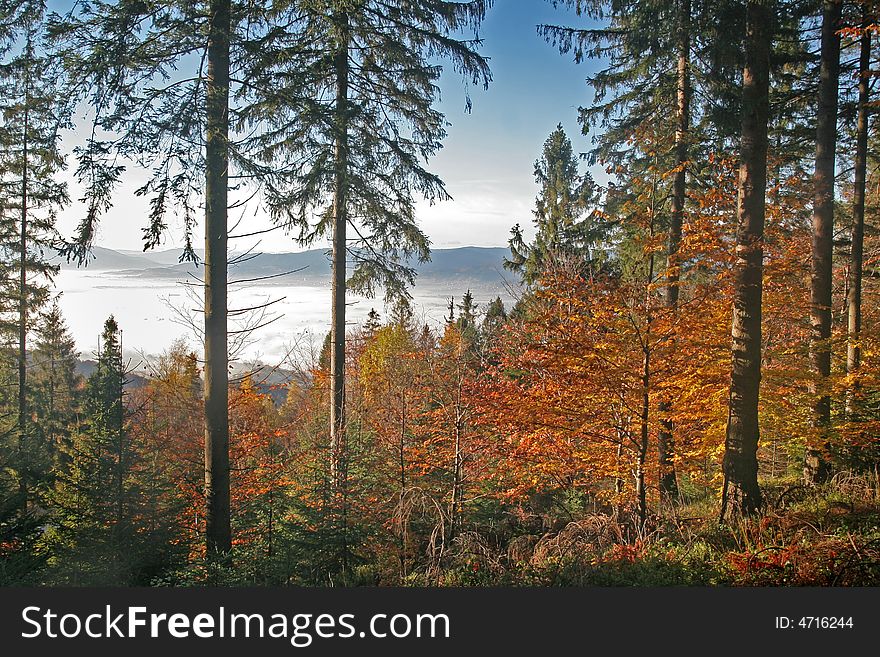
(468, 263)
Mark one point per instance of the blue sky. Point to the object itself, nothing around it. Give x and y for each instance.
(488, 157)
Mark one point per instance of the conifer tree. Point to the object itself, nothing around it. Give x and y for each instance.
(467, 315)
(373, 322)
(665, 438)
(401, 314)
(856, 264)
(180, 88)
(104, 409)
(31, 113)
(816, 466)
(55, 382)
(495, 316)
(93, 497)
(741, 493)
(364, 138)
(566, 229)
(672, 68)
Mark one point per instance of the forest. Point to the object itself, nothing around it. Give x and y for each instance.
(686, 391)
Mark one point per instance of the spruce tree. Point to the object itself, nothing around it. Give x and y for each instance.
(93, 499)
(566, 227)
(665, 437)
(741, 493)
(104, 409)
(361, 136)
(815, 465)
(857, 233)
(494, 318)
(374, 321)
(182, 89)
(467, 314)
(401, 314)
(31, 113)
(54, 381)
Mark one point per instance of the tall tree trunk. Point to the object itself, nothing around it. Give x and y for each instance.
(665, 438)
(340, 252)
(338, 438)
(22, 305)
(644, 426)
(854, 297)
(218, 533)
(741, 493)
(815, 464)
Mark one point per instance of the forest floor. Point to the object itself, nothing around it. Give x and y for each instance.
(824, 536)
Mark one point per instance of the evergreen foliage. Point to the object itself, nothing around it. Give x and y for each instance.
(568, 229)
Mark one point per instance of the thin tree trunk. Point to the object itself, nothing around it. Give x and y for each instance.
(741, 493)
(666, 438)
(816, 465)
(401, 455)
(641, 488)
(457, 462)
(854, 298)
(455, 512)
(22, 305)
(618, 480)
(218, 533)
(340, 246)
(120, 451)
(51, 414)
(271, 509)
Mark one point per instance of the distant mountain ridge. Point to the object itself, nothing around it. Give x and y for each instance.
(102, 259)
(456, 264)
(164, 257)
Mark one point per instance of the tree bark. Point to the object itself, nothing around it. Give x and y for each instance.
(218, 533)
(854, 296)
(666, 438)
(457, 491)
(816, 465)
(741, 493)
(340, 252)
(645, 415)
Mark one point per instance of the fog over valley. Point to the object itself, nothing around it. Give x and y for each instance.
(150, 294)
